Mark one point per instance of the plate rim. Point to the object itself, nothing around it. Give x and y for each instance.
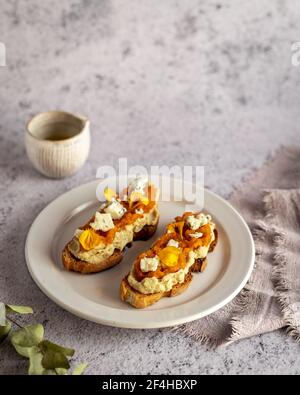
(144, 325)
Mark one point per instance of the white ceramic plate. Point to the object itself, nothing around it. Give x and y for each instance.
(95, 297)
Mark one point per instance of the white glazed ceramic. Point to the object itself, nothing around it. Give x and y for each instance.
(63, 157)
(96, 297)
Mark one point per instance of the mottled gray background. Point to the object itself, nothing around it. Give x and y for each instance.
(189, 82)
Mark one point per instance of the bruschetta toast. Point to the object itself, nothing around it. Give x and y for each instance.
(100, 244)
(166, 268)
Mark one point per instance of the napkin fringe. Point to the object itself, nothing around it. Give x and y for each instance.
(241, 303)
(279, 277)
(282, 287)
(197, 335)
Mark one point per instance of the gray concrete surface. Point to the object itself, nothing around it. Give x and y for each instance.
(188, 82)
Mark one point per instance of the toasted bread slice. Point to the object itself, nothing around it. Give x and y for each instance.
(72, 263)
(169, 250)
(140, 301)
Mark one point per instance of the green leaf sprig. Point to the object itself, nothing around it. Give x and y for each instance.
(45, 357)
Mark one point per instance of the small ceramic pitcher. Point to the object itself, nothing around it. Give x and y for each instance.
(58, 143)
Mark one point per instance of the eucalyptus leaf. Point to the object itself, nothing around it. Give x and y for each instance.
(2, 314)
(50, 372)
(47, 345)
(35, 362)
(26, 338)
(53, 360)
(11, 308)
(4, 331)
(79, 369)
(61, 371)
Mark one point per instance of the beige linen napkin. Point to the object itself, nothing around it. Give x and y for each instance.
(270, 202)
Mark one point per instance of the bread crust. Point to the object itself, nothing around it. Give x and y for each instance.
(76, 265)
(140, 301)
(199, 266)
(214, 243)
(145, 233)
(72, 263)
